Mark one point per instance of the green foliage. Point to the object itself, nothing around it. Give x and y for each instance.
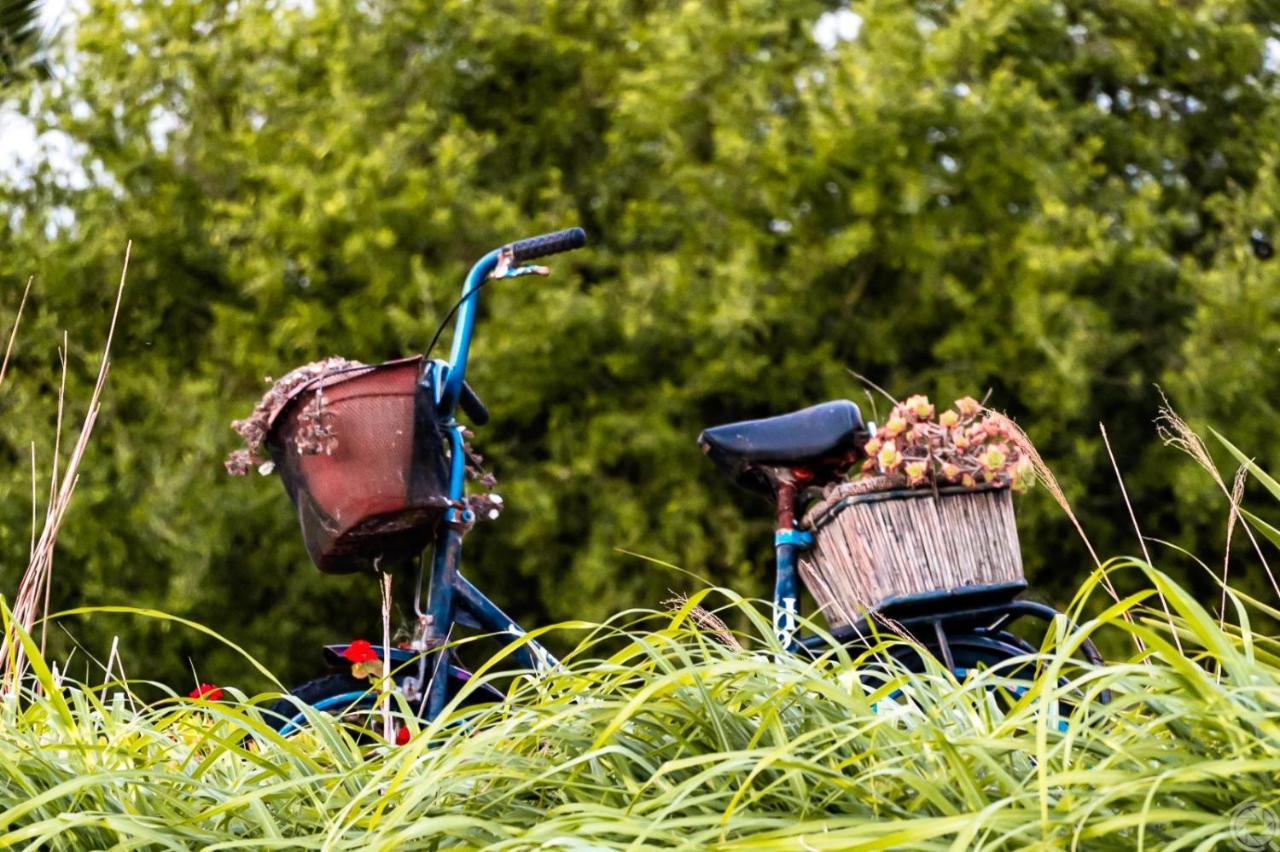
(672, 740)
(1051, 201)
(20, 39)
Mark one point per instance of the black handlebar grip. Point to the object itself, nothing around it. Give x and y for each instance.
(472, 406)
(568, 240)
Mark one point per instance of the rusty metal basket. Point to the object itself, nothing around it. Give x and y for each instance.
(878, 545)
(380, 486)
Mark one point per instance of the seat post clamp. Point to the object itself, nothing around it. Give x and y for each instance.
(797, 538)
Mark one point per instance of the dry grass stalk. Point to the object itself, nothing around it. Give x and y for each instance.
(873, 386)
(13, 333)
(705, 620)
(114, 662)
(53, 481)
(1237, 496)
(894, 626)
(1142, 541)
(109, 669)
(388, 732)
(1045, 476)
(33, 587)
(35, 505)
(1175, 432)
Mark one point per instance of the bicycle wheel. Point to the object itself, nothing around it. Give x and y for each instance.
(969, 652)
(973, 652)
(340, 693)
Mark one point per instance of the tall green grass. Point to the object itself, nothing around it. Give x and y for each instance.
(652, 734)
(655, 734)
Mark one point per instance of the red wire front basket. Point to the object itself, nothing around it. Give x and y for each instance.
(367, 474)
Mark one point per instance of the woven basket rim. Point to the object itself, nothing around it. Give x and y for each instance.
(851, 493)
(329, 379)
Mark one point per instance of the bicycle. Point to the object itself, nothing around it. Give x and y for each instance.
(778, 457)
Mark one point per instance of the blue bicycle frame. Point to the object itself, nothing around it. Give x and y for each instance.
(444, 384)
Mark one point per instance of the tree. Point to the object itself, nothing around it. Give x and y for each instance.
(21, 41)
(1049, 202)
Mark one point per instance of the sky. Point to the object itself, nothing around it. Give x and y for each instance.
(19, 146)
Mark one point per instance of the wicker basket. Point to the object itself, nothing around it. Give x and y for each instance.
(875, 546)
(380, 491)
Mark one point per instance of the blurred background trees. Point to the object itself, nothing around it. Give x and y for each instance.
(1050, 202)
(22, 40)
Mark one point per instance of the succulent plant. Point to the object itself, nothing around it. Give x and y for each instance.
(964, 445)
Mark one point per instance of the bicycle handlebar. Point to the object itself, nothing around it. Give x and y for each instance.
(547, 244)
(453, 391)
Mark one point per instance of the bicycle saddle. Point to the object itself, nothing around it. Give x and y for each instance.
(820, 436)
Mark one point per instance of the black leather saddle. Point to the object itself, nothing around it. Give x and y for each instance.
(819, 438)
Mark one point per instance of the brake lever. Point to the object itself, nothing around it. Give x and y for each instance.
(504, 269)
(520, 272)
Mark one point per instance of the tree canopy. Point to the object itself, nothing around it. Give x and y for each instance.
(21, 39)
(1048, 202)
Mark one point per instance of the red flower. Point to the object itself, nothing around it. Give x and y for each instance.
(360, 651)
(402, 736)
(207, 691)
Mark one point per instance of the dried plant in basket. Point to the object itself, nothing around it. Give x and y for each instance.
(962, 446)
(929, 514)
(317, 435)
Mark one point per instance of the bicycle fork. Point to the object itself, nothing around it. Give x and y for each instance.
(450, 595)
